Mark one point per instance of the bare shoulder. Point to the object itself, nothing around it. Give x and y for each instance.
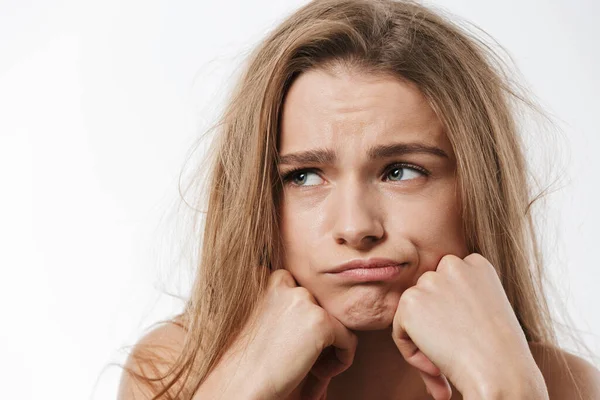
(162, 345)
(558, 380)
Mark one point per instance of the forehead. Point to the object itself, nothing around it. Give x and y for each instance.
(324, 109)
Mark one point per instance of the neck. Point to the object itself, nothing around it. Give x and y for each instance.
(378, 371)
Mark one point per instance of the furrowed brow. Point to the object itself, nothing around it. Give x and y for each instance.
(327, 156)
(315, 156)
(398, 149)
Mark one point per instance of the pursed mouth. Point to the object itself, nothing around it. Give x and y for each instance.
(371, 263)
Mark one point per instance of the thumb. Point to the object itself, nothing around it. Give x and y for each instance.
(437, 386)
(436, 383)
(412, 354)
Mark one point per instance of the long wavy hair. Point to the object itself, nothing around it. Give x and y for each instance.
(472, 91)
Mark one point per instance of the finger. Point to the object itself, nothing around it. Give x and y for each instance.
(282, 277)
(327, 364)
(314, 388)
(437, 386)
(339, 354)
(413, 355)
(344, 342)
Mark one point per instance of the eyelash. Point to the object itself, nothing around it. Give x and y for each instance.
(290, 174)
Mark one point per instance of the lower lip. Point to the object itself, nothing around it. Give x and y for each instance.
(370, 274)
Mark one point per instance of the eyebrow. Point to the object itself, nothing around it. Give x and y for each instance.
(327, 156)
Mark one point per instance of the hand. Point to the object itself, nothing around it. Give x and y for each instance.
(456, 323)
(291, 344)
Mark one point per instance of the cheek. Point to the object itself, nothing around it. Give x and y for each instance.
(440, 221)
(432, 224)
(297, 231)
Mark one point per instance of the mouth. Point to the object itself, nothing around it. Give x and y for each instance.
(368, 266)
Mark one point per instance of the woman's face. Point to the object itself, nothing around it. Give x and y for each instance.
(350, 198)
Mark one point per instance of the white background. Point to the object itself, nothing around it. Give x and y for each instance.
(100, 103)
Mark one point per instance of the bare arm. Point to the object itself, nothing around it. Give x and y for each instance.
(165, 342)
(225, 382)
(560, 385)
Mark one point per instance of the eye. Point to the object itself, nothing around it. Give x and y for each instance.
(395, 172)
(302, 177)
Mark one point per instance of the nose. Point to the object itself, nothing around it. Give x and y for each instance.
(357, 217)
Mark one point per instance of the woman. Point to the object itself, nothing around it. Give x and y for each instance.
(369, 231)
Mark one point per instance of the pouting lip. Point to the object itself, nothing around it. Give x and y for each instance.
(368, 263)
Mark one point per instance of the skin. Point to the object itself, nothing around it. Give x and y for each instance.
(355, 207)
(350, 208)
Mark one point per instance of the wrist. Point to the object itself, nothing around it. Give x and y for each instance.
(528, 384)
(231, 379)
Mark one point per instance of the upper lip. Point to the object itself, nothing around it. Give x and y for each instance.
(369, 263)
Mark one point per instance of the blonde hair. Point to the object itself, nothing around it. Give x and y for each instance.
(467, 85)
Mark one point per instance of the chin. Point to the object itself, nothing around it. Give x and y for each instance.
(366, 311)
(366, 324)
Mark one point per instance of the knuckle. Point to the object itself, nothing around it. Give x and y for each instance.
(302, 295)
(320, 325)
(475, 257)
(479, 260)
(279, 277)
(320, 319)
(449, 264)
(409, 298)
(275, 277)
(449, 259)
(428, 280)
